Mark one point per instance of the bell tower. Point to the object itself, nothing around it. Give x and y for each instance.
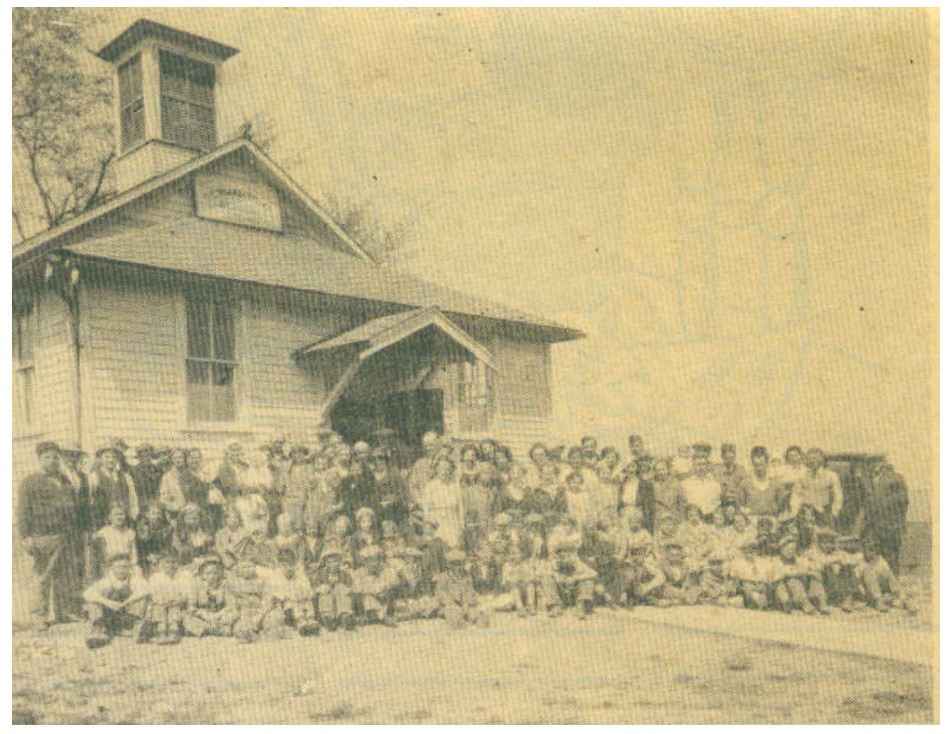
(165, 111)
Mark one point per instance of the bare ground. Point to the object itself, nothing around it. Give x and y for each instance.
(611, 668)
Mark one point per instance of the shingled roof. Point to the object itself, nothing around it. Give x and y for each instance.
(233, 252)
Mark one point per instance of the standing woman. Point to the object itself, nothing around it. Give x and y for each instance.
(441, 501)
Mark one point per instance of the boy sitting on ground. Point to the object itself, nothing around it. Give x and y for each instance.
(333, 588)
(374, 585)
(289, 599)
(212, 611)
(116, 603)
(642, 577)
(754, 574)
(680, 585)
(568, 581)
(455, 593)
(790, 593)
(170, 589)
(881, 589)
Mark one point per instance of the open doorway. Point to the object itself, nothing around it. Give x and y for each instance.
(408, 414)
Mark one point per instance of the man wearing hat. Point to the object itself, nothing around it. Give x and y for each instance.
(46, 518)
(111, 485)
(146, 474)
(701, 488)
(885, 513)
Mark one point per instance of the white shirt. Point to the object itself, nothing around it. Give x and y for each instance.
(704, 492)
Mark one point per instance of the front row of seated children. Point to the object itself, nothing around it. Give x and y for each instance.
(278, 590)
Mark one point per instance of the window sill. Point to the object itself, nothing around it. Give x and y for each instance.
(221, 428)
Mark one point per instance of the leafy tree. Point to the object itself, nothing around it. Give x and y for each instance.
(62, 118)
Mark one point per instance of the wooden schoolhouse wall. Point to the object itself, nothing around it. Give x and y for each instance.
(53, 404)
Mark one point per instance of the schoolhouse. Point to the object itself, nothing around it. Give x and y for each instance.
(213, 300)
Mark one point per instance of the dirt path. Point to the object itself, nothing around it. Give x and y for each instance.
(613, 668)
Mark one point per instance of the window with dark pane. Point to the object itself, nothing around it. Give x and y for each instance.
(131, 103)
(187, 92)
(211, 361)
(24, 338)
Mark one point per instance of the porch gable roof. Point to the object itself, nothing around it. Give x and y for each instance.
(376, 334)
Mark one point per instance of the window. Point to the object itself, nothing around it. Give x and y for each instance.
(211, 361)
(474, 396)
(131, 103)
(187, 92)
(24, 340)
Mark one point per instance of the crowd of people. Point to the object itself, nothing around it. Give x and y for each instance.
(293, 539)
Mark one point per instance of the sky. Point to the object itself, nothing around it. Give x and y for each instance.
(732, 204)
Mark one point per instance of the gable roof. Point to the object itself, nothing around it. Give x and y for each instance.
(376, 334)
(274, 171)
(238, 253)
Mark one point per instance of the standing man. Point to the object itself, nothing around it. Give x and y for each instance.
(818, 487)
(146, 474)
(885, 514)
(731, 476)
(700, 488)
(111, 485)
(47, 523)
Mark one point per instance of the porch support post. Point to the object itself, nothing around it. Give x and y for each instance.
(345, 379)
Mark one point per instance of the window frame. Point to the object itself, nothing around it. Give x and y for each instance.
(25, 320)
(188, 99)
(133, 106)
(210, 361)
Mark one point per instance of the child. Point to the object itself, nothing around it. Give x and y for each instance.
(333, 587)
(211, 611)
(501, 552)
(790, 594)
(229, 539)
(338, 535)
(568, 581)
(667, 531)
(170, 590)
(253, 509)
(246, 587)
(716, 587)
(850, 558)
(695, 537)
(290, 538)
(115, 539)
(683, 461)
(754, 575)
(374, 586)
(819, 563)
(680, 585)
(455, 594)
(259, 550)
(153, 534)
(116, 603)
(289, 599)
(737, 535)
(580, 504)
(193, 537)
(879, 582)
(642, 577)
(365, 534)
(599, 550)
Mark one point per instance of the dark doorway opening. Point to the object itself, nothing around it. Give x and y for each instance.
(408, 414)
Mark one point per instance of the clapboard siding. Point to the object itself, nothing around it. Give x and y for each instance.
(133, 363)
(53, 376)
(277, 391)
(172, 202)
